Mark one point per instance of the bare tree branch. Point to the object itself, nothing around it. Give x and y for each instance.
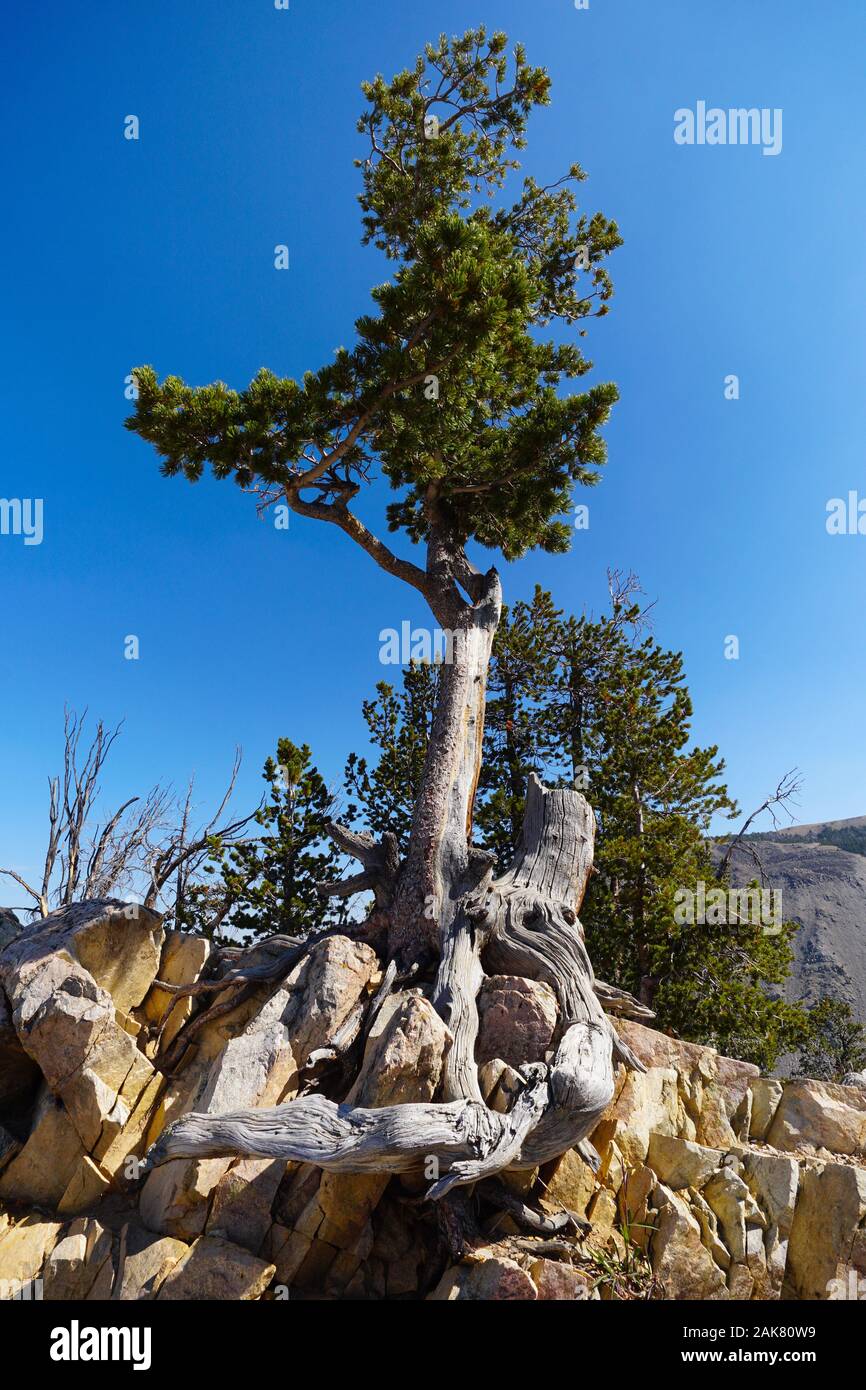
(178, 855)
(40, 900)
(786, 790)
(154, 842)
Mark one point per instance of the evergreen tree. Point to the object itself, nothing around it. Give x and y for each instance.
(458, 395)
(455, 391)
(266, 884)
(400, 724)
(835, 1042)
(547, 676)
(522, 671)
(601, 707)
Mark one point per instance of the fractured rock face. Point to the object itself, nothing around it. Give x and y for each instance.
(148, 1263)
(633, 1205)
(603, 1215)
(76, 1262)
(67, 1021)
(87, 1184)
(402, 1062)
(397, 1242)
(120, 949)
(733, 1205)
(243, 1200)
(571, 1185)
(679, 1257)
(645, 1103)
(19, 1074)
(214, 1269)
(820, 1115)
(680, 1163)
(826, 1239)
(674, 1172)
(561, 1282)
(261, 1066)
(23, 1248)
(712, 1090)
(774, 1181)
(182, 961)
(766, 1094)
(497, 1279)
(708, 1222)
(48, 1161)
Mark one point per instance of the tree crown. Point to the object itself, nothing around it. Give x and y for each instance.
(451, 390)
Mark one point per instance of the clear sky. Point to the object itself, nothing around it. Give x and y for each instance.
(116, 252)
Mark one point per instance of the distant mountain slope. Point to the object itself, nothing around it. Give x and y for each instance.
(821, 872)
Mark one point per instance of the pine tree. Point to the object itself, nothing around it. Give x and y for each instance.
(454, 391)
(655, 797)
(835, 1042)
(596, 704)
(400, 724)
(522, 672)
(266, 884)
(593, 703)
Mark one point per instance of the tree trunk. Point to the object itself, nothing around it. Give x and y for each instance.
(444, 911)
(440, 866)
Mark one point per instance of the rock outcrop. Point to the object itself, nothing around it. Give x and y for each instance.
(820, 871)
(709, 1180)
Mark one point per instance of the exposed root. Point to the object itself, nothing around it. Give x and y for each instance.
(526, 1217)
(244, 973)
(524, 923)
(516, 1125)
(311, 1129)
(237, 991)
(457, 1223)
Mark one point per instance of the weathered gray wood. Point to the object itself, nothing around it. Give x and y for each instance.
(581, 1088)
(381, 860)
(455, 998)
(620, 1002)
(589, 1154)
(343, 1139)
(536, 931)
(508, 1146)
(525, 923)
(439, 863)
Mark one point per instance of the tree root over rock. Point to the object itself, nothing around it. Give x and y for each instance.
(524, 923)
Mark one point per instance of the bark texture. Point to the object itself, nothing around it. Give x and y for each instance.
(440, 864)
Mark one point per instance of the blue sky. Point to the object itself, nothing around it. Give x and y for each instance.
(115, 252)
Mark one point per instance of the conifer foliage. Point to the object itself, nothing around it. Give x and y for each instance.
(600, 705)
(451, 388)
(266, 883)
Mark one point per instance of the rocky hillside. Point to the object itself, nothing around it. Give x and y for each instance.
(821, 872)
(703, 1181)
